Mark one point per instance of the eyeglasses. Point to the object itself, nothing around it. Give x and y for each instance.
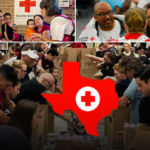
(48, 83)
(109, 13)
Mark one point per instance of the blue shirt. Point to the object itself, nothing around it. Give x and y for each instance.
(135, 97)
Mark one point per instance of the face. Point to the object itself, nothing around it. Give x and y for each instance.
(31, 25)
(38, 21)
(7, 19)
(4, 84)
(44, 46)
(13, 91)
(35, 119)
(22, 72)
(106, 58)
(143, 87)
(104, 16)
(127, 48)
(148, 16)
(43, 12)
(29, 61)
(119, 76)
(1, 17)
(55, 73)
(117, 10)
(141, 52)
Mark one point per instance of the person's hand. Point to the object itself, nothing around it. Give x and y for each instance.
(36, 35)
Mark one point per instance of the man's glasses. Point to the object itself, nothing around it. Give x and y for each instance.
(48, 83)
(109, 13)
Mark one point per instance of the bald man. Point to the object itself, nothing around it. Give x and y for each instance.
(32, 89)
(103, 26)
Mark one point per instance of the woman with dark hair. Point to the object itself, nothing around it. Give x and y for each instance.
(25, 117)
(61, 26)
(41, 27)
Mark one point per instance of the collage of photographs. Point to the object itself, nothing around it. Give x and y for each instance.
(110, 39)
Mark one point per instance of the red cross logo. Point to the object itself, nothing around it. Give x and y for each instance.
(88, 99)
(27, 4)
(92, 38)
(84, 28)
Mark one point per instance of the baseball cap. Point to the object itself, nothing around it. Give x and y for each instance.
(31, 53)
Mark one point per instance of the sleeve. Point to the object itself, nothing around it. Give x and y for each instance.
(57, 29)
(28, 33)
(46, 27)
(131, 91)
(4, 28)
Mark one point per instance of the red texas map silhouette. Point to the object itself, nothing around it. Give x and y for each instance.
(89, 99)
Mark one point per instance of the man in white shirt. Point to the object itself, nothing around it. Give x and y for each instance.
(103, 26)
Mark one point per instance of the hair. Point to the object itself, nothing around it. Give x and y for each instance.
(118, 68)
(29, 21)
(129, 62)
(12, 139)
(7, 14)
(51, 7)
(23, 115)
(147, 6)
(39, 16)
(135, 19)
(53, 52)
(128, 43)
(17, 65)
(145, 76)
(8, 73)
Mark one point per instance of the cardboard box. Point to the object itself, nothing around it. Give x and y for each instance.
(115, 123)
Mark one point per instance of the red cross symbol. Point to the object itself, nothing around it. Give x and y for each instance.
(84, 28)
(27, 4)
(92, 38)
(88, 99)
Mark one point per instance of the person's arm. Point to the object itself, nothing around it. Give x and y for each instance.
(3, 117)
(9, 103)
(42, 38)
(124, 101)
(94, 58)
(6, 36)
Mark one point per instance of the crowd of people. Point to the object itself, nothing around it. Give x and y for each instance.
(23, 78)
(32, 71)
(59, 27)
(128, 65)
(118, 22)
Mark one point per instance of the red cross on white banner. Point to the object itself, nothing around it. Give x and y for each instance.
(27, 4)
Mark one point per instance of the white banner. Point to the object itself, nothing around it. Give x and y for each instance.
(25, 9)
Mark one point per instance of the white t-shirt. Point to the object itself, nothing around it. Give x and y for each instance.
(142, 3)
(59, 27)
(112, 35)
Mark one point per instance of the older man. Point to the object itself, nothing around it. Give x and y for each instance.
(103, 26)
(32, 89)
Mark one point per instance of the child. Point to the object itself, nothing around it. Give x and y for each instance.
(31, 26)
(8, 28)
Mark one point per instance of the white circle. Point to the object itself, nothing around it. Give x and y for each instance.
(82, 92)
